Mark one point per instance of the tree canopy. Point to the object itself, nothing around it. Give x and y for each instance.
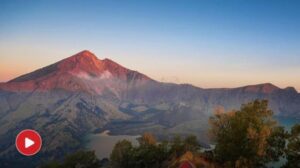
(248, 137)
(293, 148)
(86, 159)
(151, 154)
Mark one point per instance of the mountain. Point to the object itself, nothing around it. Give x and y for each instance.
(82, 94)
(80, 72)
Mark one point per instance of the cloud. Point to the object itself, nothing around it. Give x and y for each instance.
(83, 75)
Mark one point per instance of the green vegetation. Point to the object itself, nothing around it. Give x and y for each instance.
(293, 148)
(246, 138)
(150, 154)
(86, 159)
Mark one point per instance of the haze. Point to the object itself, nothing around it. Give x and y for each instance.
(205, 43)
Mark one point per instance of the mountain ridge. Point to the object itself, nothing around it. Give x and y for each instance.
(87, 61)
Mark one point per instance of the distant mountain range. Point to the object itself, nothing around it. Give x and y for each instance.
(83, 94)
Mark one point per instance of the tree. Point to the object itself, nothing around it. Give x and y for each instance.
(148, 154)
(276, 144)
(51, 164)
(191, 144)
(248, 137)
(177, 149)
(147, 139)
(293, 148)
(86, 159)
(180, 146)
(120, 155)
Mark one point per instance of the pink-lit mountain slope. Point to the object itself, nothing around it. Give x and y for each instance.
(80, 72)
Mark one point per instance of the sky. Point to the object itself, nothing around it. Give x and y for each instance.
(210, 44)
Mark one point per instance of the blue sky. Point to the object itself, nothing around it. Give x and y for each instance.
(213, 43)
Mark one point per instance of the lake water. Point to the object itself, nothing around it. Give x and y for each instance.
(287, 122)
(103, 143)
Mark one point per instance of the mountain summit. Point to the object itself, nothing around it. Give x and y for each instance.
(80, 72)
(262, 88)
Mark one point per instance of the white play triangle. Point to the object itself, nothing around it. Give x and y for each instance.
(28, 142)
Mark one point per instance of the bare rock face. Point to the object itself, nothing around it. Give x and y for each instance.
(83, 94)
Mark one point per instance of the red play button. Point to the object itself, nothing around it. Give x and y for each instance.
(28, 142)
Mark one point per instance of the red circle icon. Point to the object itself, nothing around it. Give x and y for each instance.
(28, 142)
